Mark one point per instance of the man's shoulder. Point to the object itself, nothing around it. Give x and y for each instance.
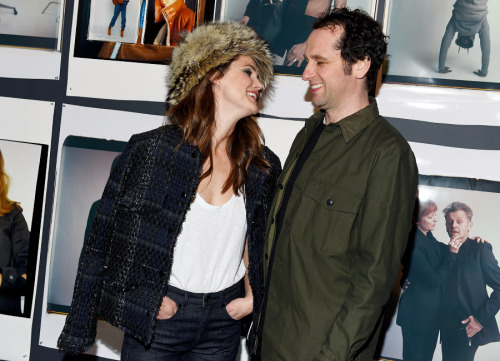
(388, 133)
(383, 137)
(479, 248)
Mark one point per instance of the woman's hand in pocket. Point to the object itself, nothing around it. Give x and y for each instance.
(240, 307)
(168, 308)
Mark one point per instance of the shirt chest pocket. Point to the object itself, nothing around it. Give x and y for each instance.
(325, 217)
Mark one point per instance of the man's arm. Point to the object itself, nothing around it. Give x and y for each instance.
(491, 273)
(382, 231)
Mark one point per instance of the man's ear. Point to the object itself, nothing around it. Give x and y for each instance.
(360, 68)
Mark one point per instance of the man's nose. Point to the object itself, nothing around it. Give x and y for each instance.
(307, 74)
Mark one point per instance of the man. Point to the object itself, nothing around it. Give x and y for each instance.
(341, 215)
(469, 18)
(467, 313)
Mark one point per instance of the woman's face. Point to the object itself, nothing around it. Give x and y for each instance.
(237, 92)
(427, 222)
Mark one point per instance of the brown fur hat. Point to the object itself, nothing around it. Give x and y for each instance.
(210, 46)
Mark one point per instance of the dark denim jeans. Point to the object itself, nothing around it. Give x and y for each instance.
(200, 330)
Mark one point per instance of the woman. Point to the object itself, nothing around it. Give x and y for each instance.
(182, 218)
(14, 246)
(428, 268)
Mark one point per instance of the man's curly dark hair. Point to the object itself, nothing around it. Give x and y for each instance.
(362, 37)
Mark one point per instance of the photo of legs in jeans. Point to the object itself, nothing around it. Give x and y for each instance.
(119, 9)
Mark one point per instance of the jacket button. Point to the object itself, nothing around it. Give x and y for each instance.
(272, 221)
(267, 256)
(193, 155)
(280, 185)
(329, 203)
(183, 195)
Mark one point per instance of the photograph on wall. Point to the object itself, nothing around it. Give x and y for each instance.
(114, 20)
(31, 24)
(151, 28)
(286, 24)
(86, 164)
(446, 302)
(444, 43)
(22, 180)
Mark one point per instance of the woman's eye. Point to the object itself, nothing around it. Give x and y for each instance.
(248, 72)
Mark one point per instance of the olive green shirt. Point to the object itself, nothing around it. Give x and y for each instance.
(340, 245)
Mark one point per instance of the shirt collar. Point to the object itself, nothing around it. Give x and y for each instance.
(350, 125)
(355, 123)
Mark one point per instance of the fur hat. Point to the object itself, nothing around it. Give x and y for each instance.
(210, 46)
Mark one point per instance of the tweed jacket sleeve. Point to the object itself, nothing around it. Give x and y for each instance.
(259, 188)
(79, 330)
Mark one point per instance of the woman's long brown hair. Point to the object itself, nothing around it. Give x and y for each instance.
(195, 115)
(6, 204)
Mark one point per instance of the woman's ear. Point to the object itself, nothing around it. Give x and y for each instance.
(215, 78)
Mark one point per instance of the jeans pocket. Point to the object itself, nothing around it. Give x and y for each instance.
(174, 316)
(180, 308)
(224, 311)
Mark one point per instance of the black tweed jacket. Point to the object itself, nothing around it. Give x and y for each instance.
(126, 261)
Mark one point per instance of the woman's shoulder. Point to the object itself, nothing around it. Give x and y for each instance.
(15, 213)
(164, 138)
(167, 131)
(272, 158)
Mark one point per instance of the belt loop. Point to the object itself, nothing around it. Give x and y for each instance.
(183, 307)
(222, 301)
(207, 299)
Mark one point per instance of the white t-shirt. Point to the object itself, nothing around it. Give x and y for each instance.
(208, 256)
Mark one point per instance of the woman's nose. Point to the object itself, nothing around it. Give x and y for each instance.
(258, 84)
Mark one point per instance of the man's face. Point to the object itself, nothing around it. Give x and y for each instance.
(458, 225)
(325, 70)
